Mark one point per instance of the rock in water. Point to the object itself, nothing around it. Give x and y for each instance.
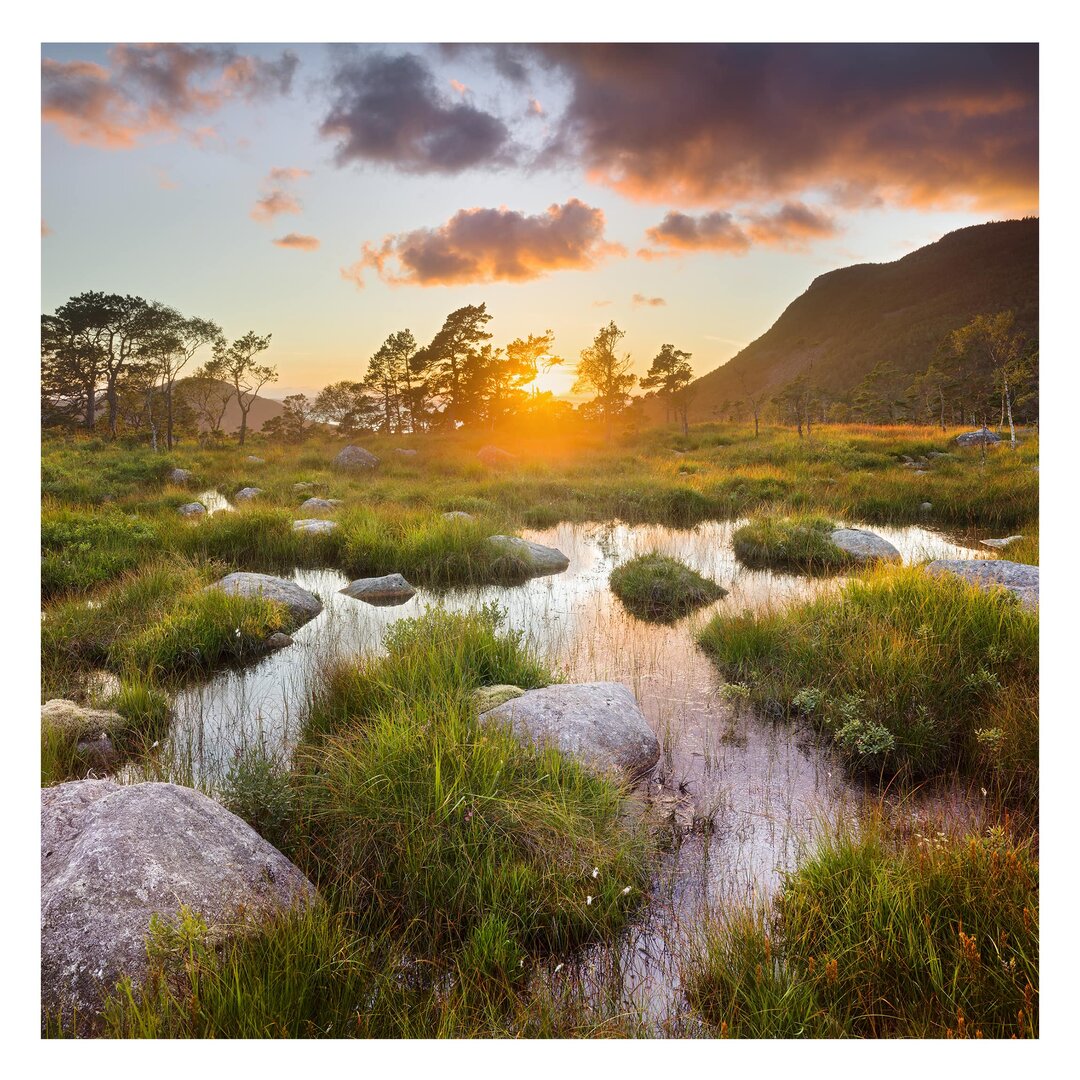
(278, 641)
(862, 545)
(314, 525)
(180, 476)
(538, 558)
(1003, 542)
(974, 438)
(492, 455)
(599, 723)
(383, 591)
(112, 856)
(194, 509)
(355, 457)
(245, 494)
(320, 506)
(302, 605)
(1019, 578)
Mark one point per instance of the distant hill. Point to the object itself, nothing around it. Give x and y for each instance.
(849, 320)
(264, 409)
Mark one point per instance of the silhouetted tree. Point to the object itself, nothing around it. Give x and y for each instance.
(247, 376)
(670, 375)
(606, 374)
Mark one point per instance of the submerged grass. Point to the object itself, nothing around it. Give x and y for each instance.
(904, 671)
(883, 935)
(801, 543)
(661, 588)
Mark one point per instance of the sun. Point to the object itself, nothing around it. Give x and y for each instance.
(556, 380)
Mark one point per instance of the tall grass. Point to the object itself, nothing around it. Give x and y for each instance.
(904, 671)
(800, 542)
(883, 935)
(660, 588)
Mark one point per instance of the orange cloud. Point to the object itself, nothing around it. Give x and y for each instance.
(277, 198)
(152, 90)
(298, 242)
(45, 230)
(484, 245)
(640, 300)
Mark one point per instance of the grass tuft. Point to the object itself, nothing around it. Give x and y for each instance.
(660, 588)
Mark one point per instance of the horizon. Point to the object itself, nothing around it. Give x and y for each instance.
(331, 195)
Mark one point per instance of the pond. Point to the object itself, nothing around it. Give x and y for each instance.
(765, 787)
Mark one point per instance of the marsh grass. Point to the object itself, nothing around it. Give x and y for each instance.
(904, 671)
(882, 934)
(801, 543)
(660, 588)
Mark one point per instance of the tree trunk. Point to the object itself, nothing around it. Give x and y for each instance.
(91, 404)
(243, 423)
(168, 415)
(113, 407)
(1008, 408)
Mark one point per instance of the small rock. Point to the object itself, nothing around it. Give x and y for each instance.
(540, 559)
(97, 752)
(489, 697)
(385, 591)
(252, 459)
(1003, 542)
(600, 723)
(303, 486)
(180, 476)
(248, 493)
(492, 455)
(1019, 578)
(863, 545)
(314, 525)
(302, 605)
(457, 515)
(113, 856)
(405, 451)
(355, 457)
(194, 509)
(926, 507)
(974, 438)
(278, 641)
(316, 505)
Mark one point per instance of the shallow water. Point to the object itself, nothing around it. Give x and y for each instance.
(766, 787)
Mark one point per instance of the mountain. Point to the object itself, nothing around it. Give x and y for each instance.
(851, 319)
(262, 410)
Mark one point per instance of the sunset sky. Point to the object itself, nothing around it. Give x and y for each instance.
(330, 195)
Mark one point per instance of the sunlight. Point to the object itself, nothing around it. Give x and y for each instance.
(557, 380)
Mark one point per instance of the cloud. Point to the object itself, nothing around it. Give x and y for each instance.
(485, 245)
(459, 87)
(920, 125)
(602, 303)
(277, 198)
(388, 110)
(298, 242)
(535, 108)
(165, 181)
(149, 90)
(46, 230)
(640, 300)
(792, 226)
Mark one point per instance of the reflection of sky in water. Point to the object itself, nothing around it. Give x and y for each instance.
(766, 785)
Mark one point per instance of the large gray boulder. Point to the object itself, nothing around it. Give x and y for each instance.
(1019, 578)
(974, 438)
(538, 558)
(862, 545)
(355, 457)
(114, 856)
(314, 526)
(302, 605)
(599, 723)
(320, 506)
(385, 591)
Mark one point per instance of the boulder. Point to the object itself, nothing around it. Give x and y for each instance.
(926, 507)
(862, 545)
(385, 591)
(492, 455)
(538, 558)
(314, 525)
(114, 856)
(405, 451)
(355, 457)
(1019, 578)
(1003, 542)
(278, 641)
(180, 476)
(194, 509)
(601, 724)
(488, 697)
(974, 438)
(246, 494)
(457, 515)
(253, 460)
(303, 485)
(301, 605)
(320, 506)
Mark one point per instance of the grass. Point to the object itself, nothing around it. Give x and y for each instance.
(660, 588)
(800, 543)
(881, 935)
(905, 672)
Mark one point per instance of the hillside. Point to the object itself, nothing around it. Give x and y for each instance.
(262, 410)
(850, 319)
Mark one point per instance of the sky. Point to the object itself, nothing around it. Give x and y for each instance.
(331, 195)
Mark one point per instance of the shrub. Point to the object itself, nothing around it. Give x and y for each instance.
(658, 587)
